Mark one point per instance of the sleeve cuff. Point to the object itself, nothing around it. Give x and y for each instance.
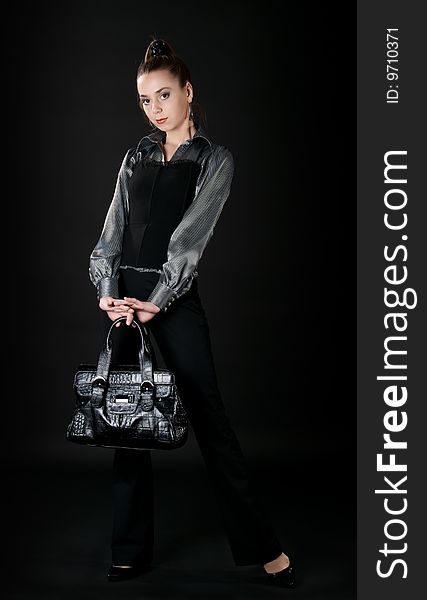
(162, 296)
(108, 286)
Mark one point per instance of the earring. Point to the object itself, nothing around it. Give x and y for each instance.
(191, 114)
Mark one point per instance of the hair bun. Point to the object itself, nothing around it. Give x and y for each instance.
(158, 47)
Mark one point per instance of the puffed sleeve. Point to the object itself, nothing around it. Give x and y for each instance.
(190, 238)
(105, 258)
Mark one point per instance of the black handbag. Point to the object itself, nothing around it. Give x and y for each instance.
(128, 406)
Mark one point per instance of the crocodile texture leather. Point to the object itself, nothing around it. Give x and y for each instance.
(127, 406)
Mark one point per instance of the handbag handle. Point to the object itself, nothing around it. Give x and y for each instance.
(145, 361)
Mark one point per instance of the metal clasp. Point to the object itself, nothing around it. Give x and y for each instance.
(147, 386)
(99, 381)
(123, 399)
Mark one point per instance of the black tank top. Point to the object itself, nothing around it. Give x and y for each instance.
(159, 195)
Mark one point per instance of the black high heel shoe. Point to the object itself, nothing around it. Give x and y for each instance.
(121, 573)
(283, 578)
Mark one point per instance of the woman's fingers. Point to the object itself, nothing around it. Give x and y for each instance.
(143, 305)
(128, 306)
(136, 304)
(113, 317)
(116, 313)
(123, 305)
(123, 309)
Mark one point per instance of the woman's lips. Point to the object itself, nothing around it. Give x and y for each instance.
(161, 120)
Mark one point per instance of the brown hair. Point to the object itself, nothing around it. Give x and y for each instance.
(161, 55)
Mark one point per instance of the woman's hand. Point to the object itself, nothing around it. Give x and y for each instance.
(145, 311)
(107, 303)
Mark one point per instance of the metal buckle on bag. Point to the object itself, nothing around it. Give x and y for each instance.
(147, 386)
(129, 399)
(99, 381)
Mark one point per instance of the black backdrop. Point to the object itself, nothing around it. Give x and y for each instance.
(278, 277)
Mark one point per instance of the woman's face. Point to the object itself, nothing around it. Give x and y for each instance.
(162, 97)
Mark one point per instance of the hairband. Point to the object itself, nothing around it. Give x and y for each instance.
(159, 47)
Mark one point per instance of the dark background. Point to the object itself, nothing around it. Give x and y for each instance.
(277, 282)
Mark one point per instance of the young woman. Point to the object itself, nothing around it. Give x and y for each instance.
(170, 192)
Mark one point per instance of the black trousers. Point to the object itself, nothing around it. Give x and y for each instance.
(182, 335)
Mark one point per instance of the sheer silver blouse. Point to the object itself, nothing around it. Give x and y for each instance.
(190, 238)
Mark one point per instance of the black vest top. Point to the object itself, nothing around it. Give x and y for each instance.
(159, 195)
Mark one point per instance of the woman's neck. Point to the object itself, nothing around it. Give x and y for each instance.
(176, 138)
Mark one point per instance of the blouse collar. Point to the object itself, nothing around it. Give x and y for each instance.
(159, 136)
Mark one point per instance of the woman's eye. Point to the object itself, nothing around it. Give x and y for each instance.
(167, 94)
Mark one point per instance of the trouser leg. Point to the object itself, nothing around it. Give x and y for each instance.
(133, 512)
(132, 482)
(182, 335)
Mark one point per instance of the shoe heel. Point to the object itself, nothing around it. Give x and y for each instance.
(283, 578)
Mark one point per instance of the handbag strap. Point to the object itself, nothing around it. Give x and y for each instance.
(145, 355)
